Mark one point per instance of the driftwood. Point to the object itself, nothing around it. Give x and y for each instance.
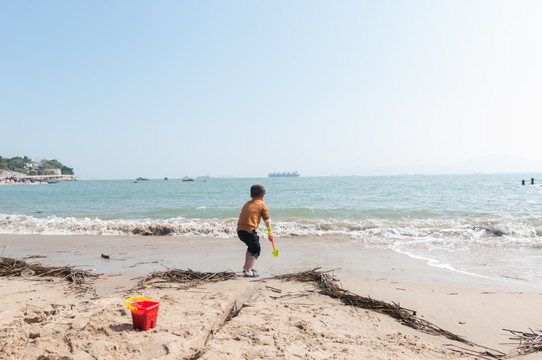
(327, 286)
(79, 278)
(527, 342)
(185, 278)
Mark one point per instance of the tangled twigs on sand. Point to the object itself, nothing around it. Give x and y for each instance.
(13, 267)
(528, 342)
(187, 278)
(327, 285)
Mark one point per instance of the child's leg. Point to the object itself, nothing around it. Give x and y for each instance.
(247, 259)
(252, 240)
(250, 261)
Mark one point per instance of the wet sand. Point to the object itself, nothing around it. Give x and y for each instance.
(139, 255)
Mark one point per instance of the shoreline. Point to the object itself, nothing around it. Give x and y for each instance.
(15, 178)
(140, 255)
(39, 179)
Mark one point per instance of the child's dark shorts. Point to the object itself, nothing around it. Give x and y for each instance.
(252, 240)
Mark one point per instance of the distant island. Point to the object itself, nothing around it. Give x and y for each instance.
(27, 166)
(23, 170)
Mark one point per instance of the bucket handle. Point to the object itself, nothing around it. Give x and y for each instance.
(130, 306)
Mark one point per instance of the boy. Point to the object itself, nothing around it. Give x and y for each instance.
(248, 222)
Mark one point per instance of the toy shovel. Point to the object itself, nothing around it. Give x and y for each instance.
(275, 251)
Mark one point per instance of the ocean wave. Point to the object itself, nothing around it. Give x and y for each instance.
(498, 231)
(52, 225)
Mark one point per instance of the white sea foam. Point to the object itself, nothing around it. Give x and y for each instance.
(438, 263)
(493, 232)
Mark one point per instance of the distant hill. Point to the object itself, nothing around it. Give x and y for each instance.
(27, 166)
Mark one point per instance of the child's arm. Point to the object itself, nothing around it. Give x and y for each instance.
(268, 229)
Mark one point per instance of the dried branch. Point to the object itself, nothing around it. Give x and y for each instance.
(14, 267)
(187, 278)
(527, 342)
(327, 286)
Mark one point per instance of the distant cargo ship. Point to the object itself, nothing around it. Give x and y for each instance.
(284, 174)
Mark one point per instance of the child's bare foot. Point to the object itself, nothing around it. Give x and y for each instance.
(251, 274)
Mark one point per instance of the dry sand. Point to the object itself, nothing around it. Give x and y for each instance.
(46, 319)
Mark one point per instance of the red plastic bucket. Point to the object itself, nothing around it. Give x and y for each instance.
(144, 312)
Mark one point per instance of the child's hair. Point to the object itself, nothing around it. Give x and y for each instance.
(257, 191)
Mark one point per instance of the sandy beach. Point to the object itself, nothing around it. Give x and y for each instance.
(45, 318)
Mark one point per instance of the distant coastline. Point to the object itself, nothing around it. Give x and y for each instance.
(23, 170)
(17, 178)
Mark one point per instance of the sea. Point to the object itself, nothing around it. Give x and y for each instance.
(486, 225)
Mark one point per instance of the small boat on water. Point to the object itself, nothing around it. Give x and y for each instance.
(284, 174)
(53, 182)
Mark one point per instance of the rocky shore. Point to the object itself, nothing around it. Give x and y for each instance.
(17, 178)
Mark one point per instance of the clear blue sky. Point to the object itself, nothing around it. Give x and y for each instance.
(121, 89)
